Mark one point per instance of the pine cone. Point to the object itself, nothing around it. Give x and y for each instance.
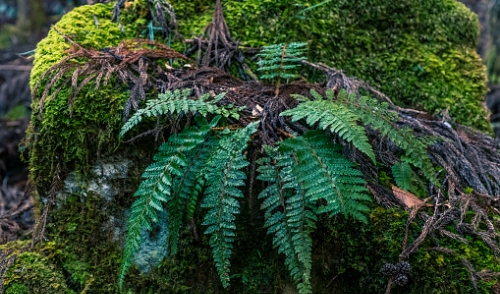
(401, 280)
(403, 268)
(388, 269)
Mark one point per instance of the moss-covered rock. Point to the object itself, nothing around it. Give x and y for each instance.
(421, 53)
(32, 272)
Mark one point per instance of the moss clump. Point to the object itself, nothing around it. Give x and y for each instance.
(32, 272)
(96, 115)
(420, 53)
(355, 253)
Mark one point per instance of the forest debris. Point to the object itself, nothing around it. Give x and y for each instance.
(128, 59)
(39, 228)
(407, 198)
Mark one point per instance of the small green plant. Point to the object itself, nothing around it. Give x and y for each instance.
(176, 102)
(403, 175)
(278, 59)
(307, 176)
(342, 115)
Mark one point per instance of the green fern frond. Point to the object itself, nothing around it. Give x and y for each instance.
(194, 185)
(328, 175)
(291, 225)
(335, 117)
(380, 118)
(278, 58)
(178, 102)
(156, 188)
(341, 114)
(403, 175)
(305, 172)
(224, 174)
(196, 160)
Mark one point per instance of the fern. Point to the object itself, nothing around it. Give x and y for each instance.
(290, 225)
(304, 173)
(178, 102)
(341, 115)
(156, 187)
(194, 186)
(327, 175)
(380, 118)
(224, 174)
(186, 184)
(403, 175)
(332, 116)
(279, 58)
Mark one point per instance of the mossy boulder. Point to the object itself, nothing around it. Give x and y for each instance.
(420, 53)
(32, 272)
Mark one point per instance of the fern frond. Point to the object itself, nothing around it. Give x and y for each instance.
(156, 188)
(224, 174)
(403, 175)
(178, 102)
(196, 161)
(380, 118)
(278, 58)
(291, 234)
(327, 175)
(335, 117)
(194, 185)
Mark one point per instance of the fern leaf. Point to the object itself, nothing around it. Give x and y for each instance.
(335, 117)
(278, 58)
(403, 175)
(288, 229)
(224, 174)
(196, 160)
(328, 175)
(380, 118)
(156, 188)
(177, 102)
(194, 185)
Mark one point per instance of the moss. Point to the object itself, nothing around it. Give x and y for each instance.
(420, 53)
(354, 253)
(32, 272)
(96, 115)
(17, 112)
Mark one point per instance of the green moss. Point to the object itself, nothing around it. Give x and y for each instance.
(354, 253)
(96, 115)
(420, 53)
(17, 112)
(32, 272)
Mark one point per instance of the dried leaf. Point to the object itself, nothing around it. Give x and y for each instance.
(407, 198)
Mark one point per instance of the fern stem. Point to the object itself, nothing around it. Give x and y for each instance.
(280, 71)
(283, 204)
(334, 184)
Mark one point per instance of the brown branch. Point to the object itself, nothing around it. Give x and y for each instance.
(8, 67)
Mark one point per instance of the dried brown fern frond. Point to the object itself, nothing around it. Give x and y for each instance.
(39, 228)
(130, 62)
